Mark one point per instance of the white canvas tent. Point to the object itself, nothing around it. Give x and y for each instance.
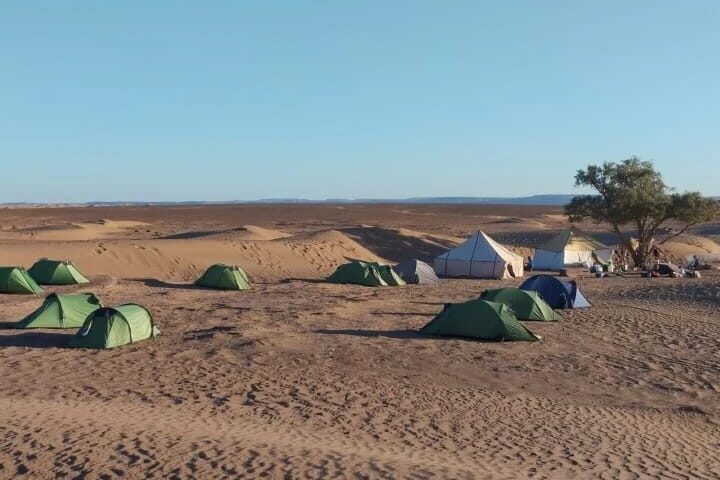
(479, 257)
(570, 247)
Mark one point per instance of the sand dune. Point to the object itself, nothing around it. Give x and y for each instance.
(688, 245)
(313, 255)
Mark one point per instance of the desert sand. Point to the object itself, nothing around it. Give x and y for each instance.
(297, 378)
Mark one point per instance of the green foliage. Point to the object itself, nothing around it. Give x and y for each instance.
(632, 193)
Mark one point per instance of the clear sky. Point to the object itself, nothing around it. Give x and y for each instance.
(212, 100)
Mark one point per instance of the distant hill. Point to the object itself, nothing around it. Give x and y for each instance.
(550, 200)
(531, 200)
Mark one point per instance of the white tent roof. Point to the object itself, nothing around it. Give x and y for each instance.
(479, 256)
(480, 247)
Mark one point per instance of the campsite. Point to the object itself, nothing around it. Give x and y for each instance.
(370, 240)
(247, 362)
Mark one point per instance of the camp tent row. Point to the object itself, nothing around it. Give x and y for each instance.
(57, 272)
(99, 327)
(43, 272)
(482, 257)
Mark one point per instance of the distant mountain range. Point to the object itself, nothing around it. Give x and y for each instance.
(550, 200)
(540, 200)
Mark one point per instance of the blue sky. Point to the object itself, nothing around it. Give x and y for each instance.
(173, 100)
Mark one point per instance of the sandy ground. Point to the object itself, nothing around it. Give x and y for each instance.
(301, 379)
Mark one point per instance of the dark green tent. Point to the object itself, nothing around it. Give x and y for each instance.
(17, 280)
(478, 319)
(56, 272)
(113, 327)
(62, 311)
(369, 274)
(526, 305)
(224, 277)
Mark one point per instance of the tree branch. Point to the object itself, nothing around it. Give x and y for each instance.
(674, 235)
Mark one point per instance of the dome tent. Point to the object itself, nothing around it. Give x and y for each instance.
(527, 305)
(415, 271)
(479, 257)
(17, 280)
(56, 272)
(62, 311)
(113, 327)
(570, 247)
(556, 292)
(479, 319)
(369, 274)
(224, 277)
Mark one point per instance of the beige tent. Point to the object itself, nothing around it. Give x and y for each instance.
(479, 257)
(570, 247)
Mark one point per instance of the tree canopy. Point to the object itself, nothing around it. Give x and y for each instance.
(632, 194)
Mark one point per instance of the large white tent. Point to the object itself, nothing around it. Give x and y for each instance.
(570, 247)
(479, 257)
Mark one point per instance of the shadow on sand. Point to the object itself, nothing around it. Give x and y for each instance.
(155, 283)
(35, 340)
(394, 246)
(405, 314)
(305, 280)
(397, 334)
(200, 233)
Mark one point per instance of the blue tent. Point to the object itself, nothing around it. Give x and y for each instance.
(558, 293)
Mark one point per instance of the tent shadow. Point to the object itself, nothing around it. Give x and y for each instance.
(396, 334)
(305, 280)
(36, 340)
(406, 314)
(8, 325)
(155, 283)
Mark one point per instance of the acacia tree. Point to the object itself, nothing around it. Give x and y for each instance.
(632, 194)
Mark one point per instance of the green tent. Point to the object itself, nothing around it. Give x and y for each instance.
(56, 272)
(113, 327)
(370, 274)
(17, 280)
(478, 319)
(527, 305)
(224, 277)
(62, 311)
